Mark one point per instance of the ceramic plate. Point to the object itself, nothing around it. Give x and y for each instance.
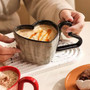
(72, 77)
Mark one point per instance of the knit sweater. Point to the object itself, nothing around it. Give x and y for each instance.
(39, 9)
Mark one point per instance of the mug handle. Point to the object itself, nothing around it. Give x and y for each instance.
(60, 48)
(30, 80)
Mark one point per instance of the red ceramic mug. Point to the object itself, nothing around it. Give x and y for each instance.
(20, 82)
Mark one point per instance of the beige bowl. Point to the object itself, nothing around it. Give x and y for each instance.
(42, 52)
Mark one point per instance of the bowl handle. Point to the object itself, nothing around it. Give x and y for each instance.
(75, 45)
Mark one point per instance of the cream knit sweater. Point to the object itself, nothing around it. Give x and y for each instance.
(39, 9)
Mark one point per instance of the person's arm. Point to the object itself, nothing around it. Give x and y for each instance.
(9, 19)
(9, 23)
(46, 9)
(8, 7)
(56, 10)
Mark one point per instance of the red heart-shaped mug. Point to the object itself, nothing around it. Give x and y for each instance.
(20, 82)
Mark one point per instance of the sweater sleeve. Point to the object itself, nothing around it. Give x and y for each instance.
(8, 7)
(46, 9)
(1, 9)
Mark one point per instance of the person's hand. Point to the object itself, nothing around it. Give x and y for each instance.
(76, 18)
(6, 53)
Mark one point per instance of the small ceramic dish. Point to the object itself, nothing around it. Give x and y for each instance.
(70, 81)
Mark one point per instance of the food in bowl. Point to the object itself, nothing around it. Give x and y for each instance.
(40, 33)
(8, 78)
(83, 82)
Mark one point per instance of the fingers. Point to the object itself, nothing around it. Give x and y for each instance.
(6, 39)
(8, 51)
(78, 24)
(77, 20)
(79, 17)
(76, 28)
(64, 30)
(65, 15)
(5, 57)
